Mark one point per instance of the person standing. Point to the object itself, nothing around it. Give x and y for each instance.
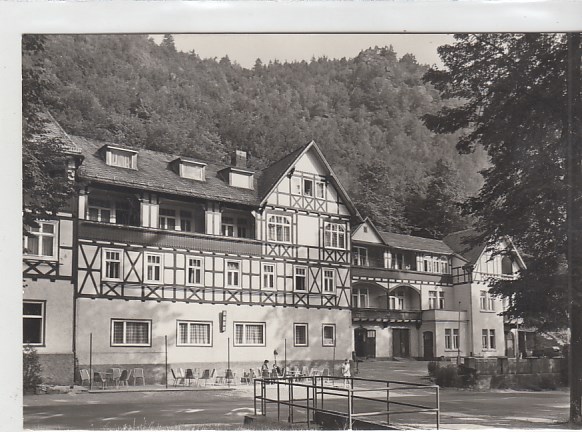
(346, 373)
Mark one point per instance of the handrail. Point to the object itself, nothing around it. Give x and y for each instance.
(315, 389)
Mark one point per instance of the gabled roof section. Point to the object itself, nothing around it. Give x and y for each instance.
(418, 244)
(154, 174)
(273, 175)
(54, 131)
(367, 223)
(462, 242)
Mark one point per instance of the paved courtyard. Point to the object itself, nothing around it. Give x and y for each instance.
(218, 408)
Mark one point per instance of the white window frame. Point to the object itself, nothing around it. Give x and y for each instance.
(359, 294)
(486, 301)
(486, 339)
(269, 276)
(103, 204)
(326, 341)
(318, 185)
(441, 300)
(227, 272)
(312, 194)
(42, 238)
(326, 280)
(492, 341)
(225, 226)
(114, 153)
(295, 327)
(296, 185)
(42, 318)
(188, 325)
(147, 265)
(105, 260)
(432, 299)
(199, 269)
(396, 299)
(361, 259)
(304, 275)
(125, 343)
(448, 339)
(333, 230)
(279, 221)
(455, 338)
(244, 333)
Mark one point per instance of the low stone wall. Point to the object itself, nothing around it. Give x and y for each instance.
(57, 368)
(543, 373)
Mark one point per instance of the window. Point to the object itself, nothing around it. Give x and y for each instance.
(296, 185)
(269, 276)
(99, 210)
(186, 221)
(335, 235)
(111, 264)
(328, 335)
(241, 228)
(432, 299)
(488, 338)
(33, 322)
(452, 339)
(328, 281)
(194, 333)
(121, 158)
(308, 187)
(360, 297)
(42, 240)
(130, 333)
(194, 270)
(228, 228)
(167, 218)
(279, 229)
(486, 301)
(300, 279)
(360, 256)
(250, 334)
(300, 335)
(233, 274)
(153, 267)
(396, 300)
(506, 266)
(441, 300)
(320, 190)
(395, 261)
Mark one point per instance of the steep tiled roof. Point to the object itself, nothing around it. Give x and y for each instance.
(421, 244)
(271, 174)
(154, 174)
(54, 131)
(458, 241)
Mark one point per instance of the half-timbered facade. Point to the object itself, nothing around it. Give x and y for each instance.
(219, 261)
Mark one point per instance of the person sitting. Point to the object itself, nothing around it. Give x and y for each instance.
(265, 369)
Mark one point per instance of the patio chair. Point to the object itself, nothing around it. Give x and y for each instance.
(123, 378)
(114, 374)
(137, 373)
(177, 378)
(100, 377)
(189, 376)
(229, 376)
(208, 375)
(85, 376)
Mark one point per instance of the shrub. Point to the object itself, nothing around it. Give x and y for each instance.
(31, 369)
(448, 376)
(432, 368)
(548, 383)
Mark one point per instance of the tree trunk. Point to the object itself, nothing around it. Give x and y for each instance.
(575, 227)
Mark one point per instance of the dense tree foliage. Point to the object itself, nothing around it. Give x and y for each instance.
(128, 89)
(513, 92)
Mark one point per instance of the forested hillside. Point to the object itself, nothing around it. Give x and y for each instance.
(365, 114)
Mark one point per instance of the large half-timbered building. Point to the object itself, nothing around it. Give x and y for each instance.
(167, 258)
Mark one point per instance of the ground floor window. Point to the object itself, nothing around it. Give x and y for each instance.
(328, 335)
(452, 339)
(194, 333)
(131, 332)
(300, 335)
(33, 322)
(249, 334)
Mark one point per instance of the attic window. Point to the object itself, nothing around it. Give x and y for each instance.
(120, 157)
(188, 168)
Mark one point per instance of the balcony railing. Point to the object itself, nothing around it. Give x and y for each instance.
(408, 275)
(170, 239)
(385, 315)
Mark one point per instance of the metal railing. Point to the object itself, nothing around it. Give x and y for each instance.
(348, 398)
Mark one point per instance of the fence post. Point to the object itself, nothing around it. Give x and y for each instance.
(91, 361)
(278, 401)
(438, 414)
(166, 345)
(388, 402)
(255, 395)
(350, 408)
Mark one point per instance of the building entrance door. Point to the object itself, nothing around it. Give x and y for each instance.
(365, 342)
(400, 343)
(427, 343)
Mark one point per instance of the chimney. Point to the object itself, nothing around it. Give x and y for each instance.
(239, 159)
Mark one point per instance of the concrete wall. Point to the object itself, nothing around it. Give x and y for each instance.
(57, 368)
(95, 316)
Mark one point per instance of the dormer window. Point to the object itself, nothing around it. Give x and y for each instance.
(120, 157)
(189, 168)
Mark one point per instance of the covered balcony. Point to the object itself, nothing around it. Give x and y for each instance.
(373, 303)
